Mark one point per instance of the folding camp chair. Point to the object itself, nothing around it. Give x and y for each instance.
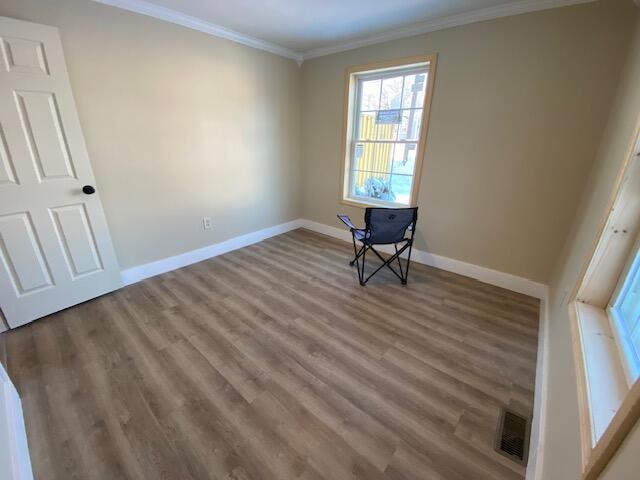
(383, 226)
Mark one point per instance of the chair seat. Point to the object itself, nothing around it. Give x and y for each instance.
(363, 236)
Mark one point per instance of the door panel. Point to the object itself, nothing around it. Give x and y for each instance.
(7, 171)
(55, 245)
(22, 256)
(76, 236)
(40, 122)
(24, 56)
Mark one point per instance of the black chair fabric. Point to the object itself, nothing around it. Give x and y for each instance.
(388, 225)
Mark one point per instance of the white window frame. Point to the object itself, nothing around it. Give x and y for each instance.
(350, 128)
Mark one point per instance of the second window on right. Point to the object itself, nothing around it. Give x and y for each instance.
(624, 311)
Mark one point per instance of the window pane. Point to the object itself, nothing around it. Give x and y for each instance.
(362, 155)
(401, 188)
(414, 88)
(358, 152)
(404, 158)
(410, 127)
(367, 126)
(388, 122)
(391, 93)
(374, 157)
(630, 298)
(627, 311)
(372, 185)
(635, 340)
(370, 95)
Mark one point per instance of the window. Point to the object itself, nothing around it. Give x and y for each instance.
(386, 124)
(625, 317)
(605, 324)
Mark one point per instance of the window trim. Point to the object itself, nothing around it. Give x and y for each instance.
(596, 453)
(350, 94)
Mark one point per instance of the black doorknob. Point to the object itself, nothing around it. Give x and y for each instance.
(88, 189)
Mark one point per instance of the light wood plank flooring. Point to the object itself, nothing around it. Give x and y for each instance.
(271, 362)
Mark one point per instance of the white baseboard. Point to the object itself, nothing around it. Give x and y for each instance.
(140, 272)
(539, 421)
(14, 453)
(483, 274)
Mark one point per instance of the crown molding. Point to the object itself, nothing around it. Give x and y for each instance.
(479, 15)
(172, 16)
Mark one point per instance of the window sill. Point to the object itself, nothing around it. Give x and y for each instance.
(366, 204)
(604, 376)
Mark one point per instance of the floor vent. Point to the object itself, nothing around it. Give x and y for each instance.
(512, 440)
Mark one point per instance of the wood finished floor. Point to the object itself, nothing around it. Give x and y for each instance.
(271, 362)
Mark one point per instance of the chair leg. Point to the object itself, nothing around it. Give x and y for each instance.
(406, 272)
(402, 276)
(361, 253)
(358, 254)
(387, 263)
(363, 282)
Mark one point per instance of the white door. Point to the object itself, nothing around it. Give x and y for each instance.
(55, 248)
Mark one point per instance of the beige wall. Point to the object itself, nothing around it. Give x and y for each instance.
(562, 435)
(179, 125)
(518, 107)
(626, 463)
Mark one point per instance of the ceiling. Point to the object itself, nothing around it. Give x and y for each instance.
(307, 28)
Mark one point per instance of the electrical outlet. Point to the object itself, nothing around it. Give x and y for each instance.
(206, 223)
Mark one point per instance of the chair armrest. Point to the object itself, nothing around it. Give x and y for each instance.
(347, 221)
